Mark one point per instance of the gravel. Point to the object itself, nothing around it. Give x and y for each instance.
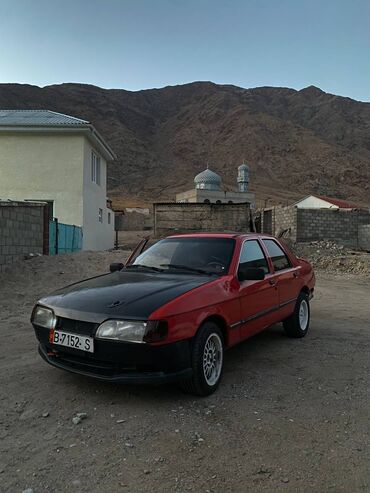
(290, 415)
(331, 257)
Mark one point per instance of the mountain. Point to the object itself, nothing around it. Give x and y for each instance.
(296, 142)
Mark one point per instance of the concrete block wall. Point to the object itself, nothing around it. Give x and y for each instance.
(171, 218)
(21, 231)
(275, 220)
(135, 221)
(364, 236)
(285, 218)
(348, 228)
(327, 224)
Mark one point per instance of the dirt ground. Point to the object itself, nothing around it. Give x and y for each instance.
(289, 416)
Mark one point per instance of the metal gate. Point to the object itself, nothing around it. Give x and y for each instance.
(64, 238)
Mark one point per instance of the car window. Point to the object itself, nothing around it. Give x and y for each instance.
(253, 256)
(279, 259)
(211, 254)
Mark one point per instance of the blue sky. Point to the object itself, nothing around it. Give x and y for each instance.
(139, 44)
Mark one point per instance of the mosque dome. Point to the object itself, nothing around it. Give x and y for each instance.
(208, 180)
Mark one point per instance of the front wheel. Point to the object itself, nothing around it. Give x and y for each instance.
(298, 323)
(207, 361)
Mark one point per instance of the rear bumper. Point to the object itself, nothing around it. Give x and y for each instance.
(115, 361)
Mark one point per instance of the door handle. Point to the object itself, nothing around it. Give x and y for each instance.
(296, 274)
(272, 282)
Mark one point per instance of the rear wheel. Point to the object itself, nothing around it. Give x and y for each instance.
(298, 323)
(207, 361)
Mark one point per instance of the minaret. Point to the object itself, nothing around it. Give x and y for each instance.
(243, 177)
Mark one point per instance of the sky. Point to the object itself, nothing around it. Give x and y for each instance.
(141, 44)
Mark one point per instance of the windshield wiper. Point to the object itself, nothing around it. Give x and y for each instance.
(189, 269)
(140, 266)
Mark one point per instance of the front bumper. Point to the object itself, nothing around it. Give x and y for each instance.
(114, 361)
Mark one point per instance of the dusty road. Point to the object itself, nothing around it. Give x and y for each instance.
(289, 416)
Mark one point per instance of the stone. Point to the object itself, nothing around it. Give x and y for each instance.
(78, 418)
(28, 414)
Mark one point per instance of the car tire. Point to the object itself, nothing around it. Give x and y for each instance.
(207, 355)
(298, 323)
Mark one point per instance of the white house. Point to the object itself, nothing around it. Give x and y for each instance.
(321, 202)
(48, 156)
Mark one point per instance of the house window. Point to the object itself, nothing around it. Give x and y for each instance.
(100, 215)
(95, 168)
(108, 217)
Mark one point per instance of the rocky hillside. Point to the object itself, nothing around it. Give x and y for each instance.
(296, 142)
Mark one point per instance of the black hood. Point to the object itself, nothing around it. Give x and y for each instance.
(121, 294)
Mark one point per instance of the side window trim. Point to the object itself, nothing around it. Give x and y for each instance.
(268, 260)
(267, 256)
(291, 266)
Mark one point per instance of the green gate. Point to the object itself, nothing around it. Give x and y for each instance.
(64, 238)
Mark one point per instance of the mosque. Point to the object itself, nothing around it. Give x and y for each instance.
(208, 189)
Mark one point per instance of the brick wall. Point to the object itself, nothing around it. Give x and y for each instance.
(21, 231)
(191, 217)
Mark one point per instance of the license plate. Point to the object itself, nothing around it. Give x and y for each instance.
(75, 341)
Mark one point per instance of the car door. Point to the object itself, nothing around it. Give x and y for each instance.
(258, 299)
(286, 274)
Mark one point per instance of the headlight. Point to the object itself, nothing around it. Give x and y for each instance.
(44, 317)
(122, 330)
(132, 331)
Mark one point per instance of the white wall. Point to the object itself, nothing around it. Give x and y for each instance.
(198, 195)
(47, 166)
(96, 235)
(44, 167)
(312, 202)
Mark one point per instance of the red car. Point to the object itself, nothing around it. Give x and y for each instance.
(173, 309)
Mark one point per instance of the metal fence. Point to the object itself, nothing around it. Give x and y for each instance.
(64, 238)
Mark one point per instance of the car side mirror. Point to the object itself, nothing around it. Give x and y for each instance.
(251, 274)
(116, 266)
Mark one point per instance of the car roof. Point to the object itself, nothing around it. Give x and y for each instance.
(220, 235)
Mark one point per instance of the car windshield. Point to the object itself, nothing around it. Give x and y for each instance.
(188, 255)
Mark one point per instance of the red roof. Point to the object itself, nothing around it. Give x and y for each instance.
(342, 204)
